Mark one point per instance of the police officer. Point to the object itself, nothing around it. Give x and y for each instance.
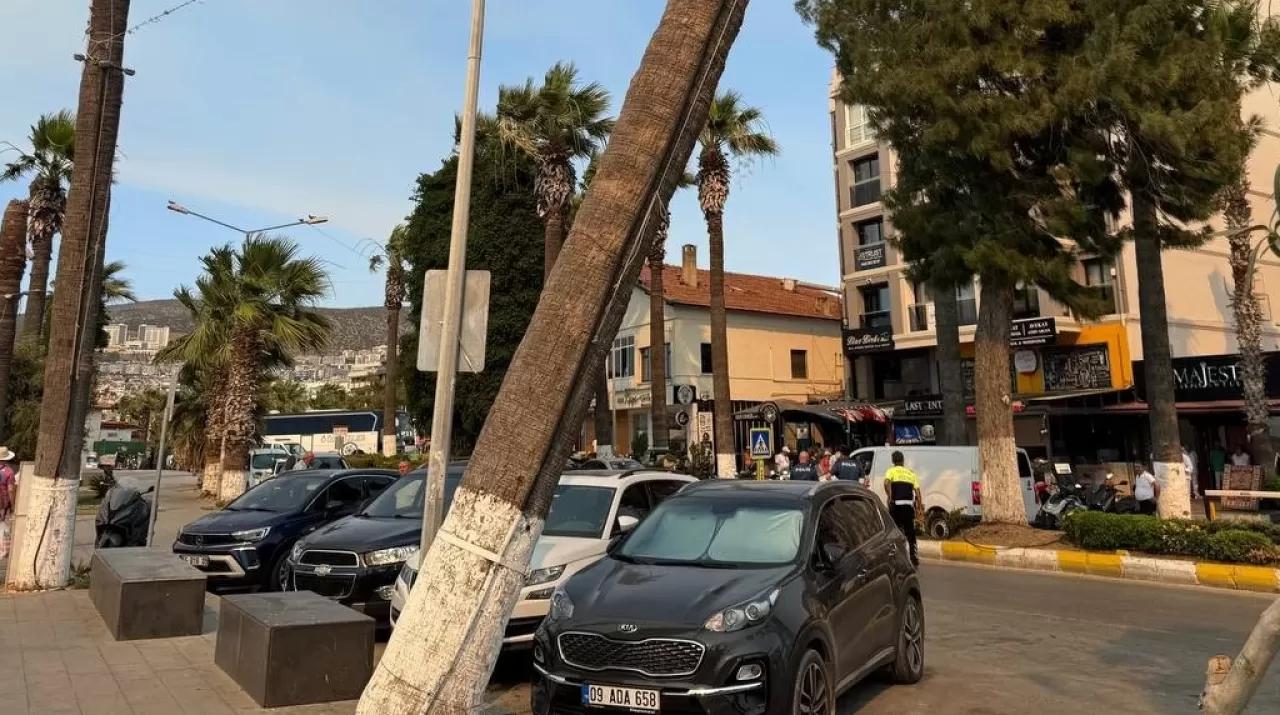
(846, 468)
(804, 470)
(902, 489)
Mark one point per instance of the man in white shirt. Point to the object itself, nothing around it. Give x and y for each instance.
(1240, 458)
(1145, 489)
(1189, 466)
(782, 461)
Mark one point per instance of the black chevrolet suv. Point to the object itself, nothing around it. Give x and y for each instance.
(736, 597)
(246, 543)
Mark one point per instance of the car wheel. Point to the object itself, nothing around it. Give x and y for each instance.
(908, 667)
(813, 693)
(280, 574)
(938, 526)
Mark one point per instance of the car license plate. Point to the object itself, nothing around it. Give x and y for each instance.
(608, 696)
(197, 561)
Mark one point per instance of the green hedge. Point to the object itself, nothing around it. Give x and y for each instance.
(377, 461)
(1230, 542)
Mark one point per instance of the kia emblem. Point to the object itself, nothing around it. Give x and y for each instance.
(627, 627)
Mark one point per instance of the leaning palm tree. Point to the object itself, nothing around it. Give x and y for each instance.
(48, 163)
(556, 123)
(392, 256)
(734, 132)
(13, 262)
(267, 302)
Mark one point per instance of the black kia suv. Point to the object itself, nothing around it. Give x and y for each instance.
(739, 597)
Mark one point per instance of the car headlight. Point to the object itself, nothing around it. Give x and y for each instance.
(546, 575)
(741, 616)
(561, 606)
(296, 553)
(386, 557)
(251, 534)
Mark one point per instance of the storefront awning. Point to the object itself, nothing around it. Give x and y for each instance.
(1060, 396)
(1206, 407)
(839, 411)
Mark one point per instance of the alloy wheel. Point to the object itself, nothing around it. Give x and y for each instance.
(814, 696)
(913, 636)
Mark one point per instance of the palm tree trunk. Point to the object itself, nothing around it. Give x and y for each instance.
(553, 238)
(72, 456)
(603, 417)
(390, 438)
(726, 461)
(434, 666)
(946, 316)
(51, 509)
(1001, 491)
(658, 343)
(238, 413)
(13, 262)
(33, 320)
(1247, 310)
(1157, 361)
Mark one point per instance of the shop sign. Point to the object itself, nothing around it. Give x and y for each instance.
(929, 406)
(1210, 378)
(632, 399)
(1033, 331)
(864, 341)
(1025, 362)
(868, 257)
(684, 394)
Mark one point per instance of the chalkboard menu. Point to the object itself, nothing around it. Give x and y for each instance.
(1081, 368)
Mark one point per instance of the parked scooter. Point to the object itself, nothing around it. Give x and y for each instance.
(1106, 498)
(123, 518)
(1064, 499)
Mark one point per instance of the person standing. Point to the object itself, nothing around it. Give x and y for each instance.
(1146, 490)
(1189, 466)
(1240, 458)
(1217, 463)
(804, 470)
(902, 491)
(782, 461)
(847, 469)
(8, 497)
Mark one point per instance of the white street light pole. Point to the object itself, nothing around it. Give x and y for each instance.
(308, 221)
(160, 455)
(451, 329)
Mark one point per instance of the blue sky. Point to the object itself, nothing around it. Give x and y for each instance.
(259, 111)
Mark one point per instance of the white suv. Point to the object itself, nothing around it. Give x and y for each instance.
(589, 509)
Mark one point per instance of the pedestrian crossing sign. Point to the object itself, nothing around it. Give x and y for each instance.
(761, 443)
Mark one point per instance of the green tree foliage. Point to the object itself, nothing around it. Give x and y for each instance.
(286, 396)
(506, 237)
(145, 410)
(329, 397)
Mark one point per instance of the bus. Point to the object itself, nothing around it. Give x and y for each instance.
(345, 431)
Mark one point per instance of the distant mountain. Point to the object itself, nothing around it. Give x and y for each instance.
(353, 328)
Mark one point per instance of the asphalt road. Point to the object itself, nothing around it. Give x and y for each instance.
(1019, 642)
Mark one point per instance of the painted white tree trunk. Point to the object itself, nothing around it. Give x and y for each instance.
(49, 536)
(1231, 685)
(726, 467)
(1175, 490)
(233, 483)
(477, 595)
(212, 475)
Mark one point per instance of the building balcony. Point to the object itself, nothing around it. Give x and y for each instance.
(876, 320)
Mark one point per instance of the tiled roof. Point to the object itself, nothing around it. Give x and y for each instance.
(748, 293)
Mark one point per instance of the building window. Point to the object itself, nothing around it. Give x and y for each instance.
(857, 125)
(875, 306)
(646, 365)
(870, 232)
(966, 304)
(866, 181)
(799, 365)
(622, 358)
(1026, 302)
(706, 359)
(1097, 277)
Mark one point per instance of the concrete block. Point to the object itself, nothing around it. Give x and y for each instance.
(146, 593)
(294, 648)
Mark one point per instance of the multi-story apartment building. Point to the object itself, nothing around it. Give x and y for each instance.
(784, 344)
(1079, 384)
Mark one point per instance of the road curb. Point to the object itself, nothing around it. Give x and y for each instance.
(1109, 564)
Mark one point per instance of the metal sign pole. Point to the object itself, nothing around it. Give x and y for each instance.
(160, 456)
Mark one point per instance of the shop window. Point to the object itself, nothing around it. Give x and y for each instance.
(799, 365)
(706, 359)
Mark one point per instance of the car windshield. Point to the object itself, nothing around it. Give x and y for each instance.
(717, 532)
(267, 461)
(579, 511)
(288, 493)
(403, 499)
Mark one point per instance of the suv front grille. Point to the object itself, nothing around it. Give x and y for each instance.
(329, 558)
(198, 540)
(331, 587)
(655, 657)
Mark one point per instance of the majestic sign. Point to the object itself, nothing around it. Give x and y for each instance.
(870, 256)
(863, 341)
(1209, 378)
(1033, 331)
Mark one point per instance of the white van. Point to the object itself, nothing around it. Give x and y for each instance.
(949, 480)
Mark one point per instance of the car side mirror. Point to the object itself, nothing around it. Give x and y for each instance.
(626, 523)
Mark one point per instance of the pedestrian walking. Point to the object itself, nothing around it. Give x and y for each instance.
(804, 470)
(305, 463)
(1146, 490)
(1189, 466)
(1217, 463)
(8, 497)
(902, 490)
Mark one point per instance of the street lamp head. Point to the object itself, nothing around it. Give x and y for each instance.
(177, 207)
(313, 220)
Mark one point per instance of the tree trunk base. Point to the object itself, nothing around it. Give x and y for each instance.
(211, 478)
(726, 466)
(50, 535)
(1175, 490)
(455, 672)
(234, 483)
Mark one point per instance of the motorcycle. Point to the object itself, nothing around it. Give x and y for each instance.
(1105, 497)
(1063, 500)
(123, 518)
